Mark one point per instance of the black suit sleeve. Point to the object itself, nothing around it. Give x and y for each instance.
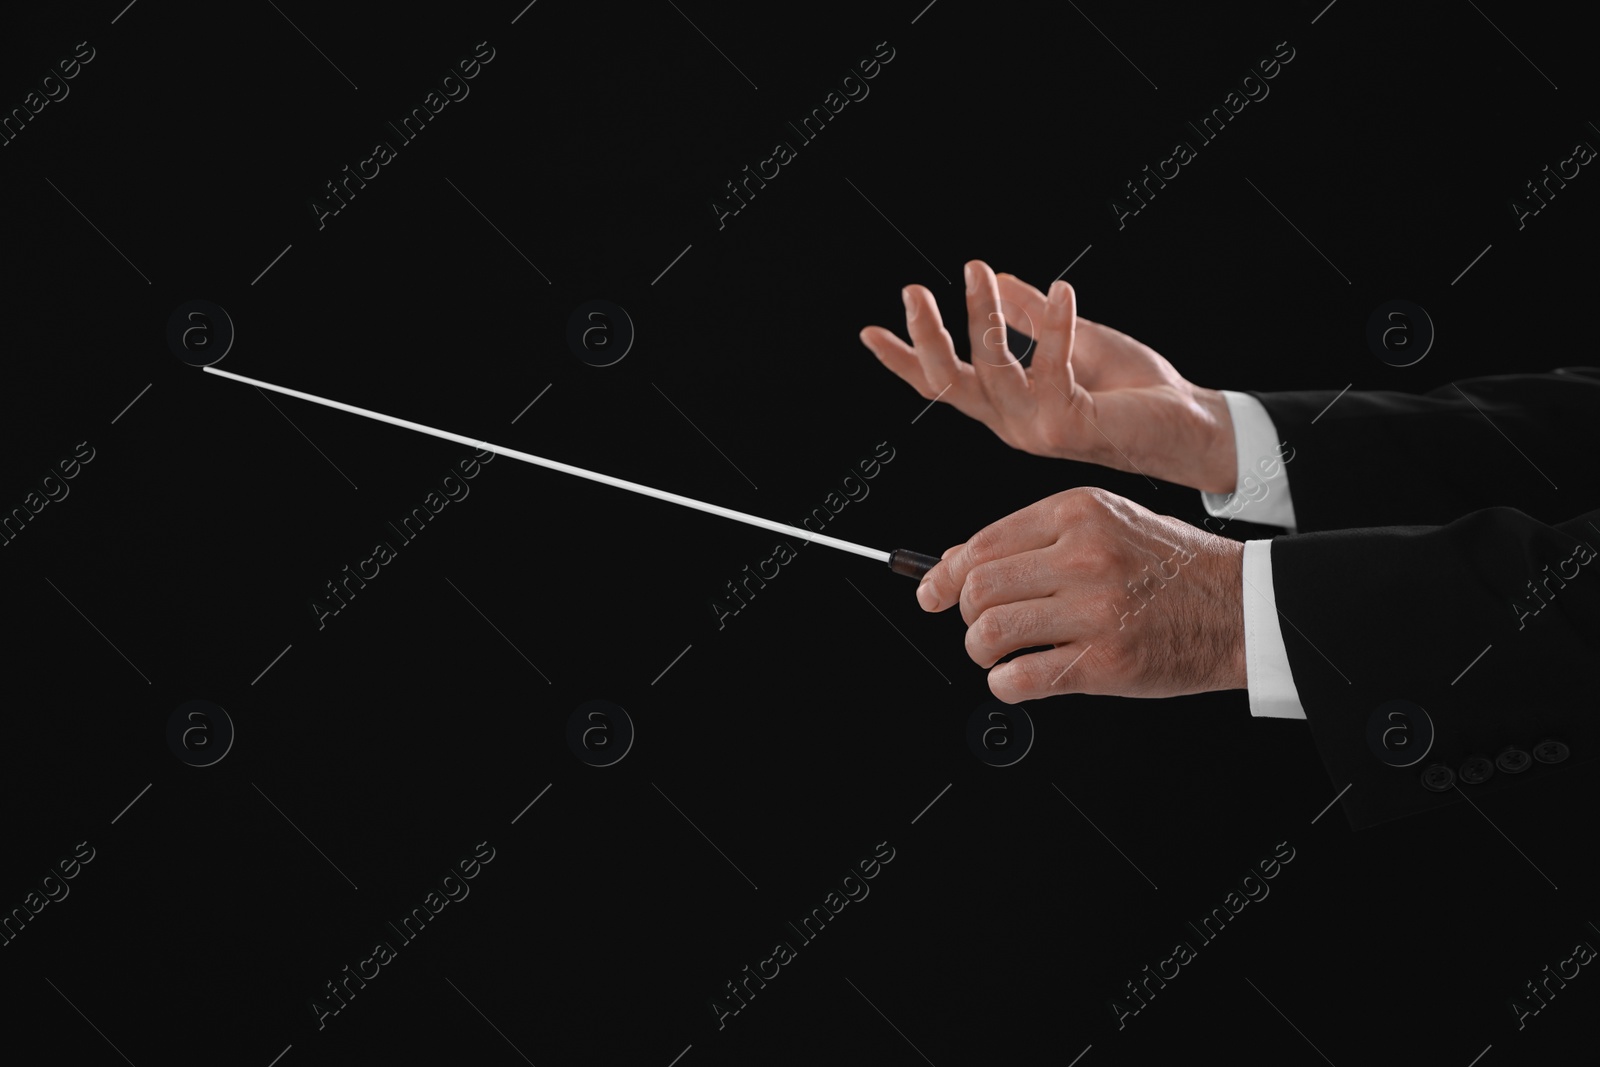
(1526, 441)
(1485, 615)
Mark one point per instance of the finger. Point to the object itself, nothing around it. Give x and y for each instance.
(1002, 377)
(1052, 363)
(1012, 580)
(1022, 303)
(898, 357)
(923, 597)
(907, 364)
(1073, 667)
(935, 349)
(1005, 628)
(1035, 526)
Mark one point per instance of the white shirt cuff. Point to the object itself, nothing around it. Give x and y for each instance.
(1261, 491)
(1267, 673)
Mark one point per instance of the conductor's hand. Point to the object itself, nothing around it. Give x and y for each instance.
(1090, 394)
(1135, 604)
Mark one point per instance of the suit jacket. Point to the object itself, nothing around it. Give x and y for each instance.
(1444, 560)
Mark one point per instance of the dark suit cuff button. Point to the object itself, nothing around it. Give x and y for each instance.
(1476, 769)
(1551, 751)
(1513, 761)
(1438, 778)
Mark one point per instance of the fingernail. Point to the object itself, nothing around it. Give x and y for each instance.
(927, 597)
(911, 304)
(1058, 292)
(972, 279)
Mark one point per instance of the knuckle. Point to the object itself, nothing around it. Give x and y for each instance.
(1093, 498)
(1070, 504)
(983, 544)
(1084, 504)
(980, 584)
(1097, 556)
(986, 632)
(976, 651)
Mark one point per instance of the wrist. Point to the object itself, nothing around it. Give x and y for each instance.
(1233, 664)
(1218, 455)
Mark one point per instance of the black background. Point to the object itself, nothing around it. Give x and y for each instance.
(827, 715)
